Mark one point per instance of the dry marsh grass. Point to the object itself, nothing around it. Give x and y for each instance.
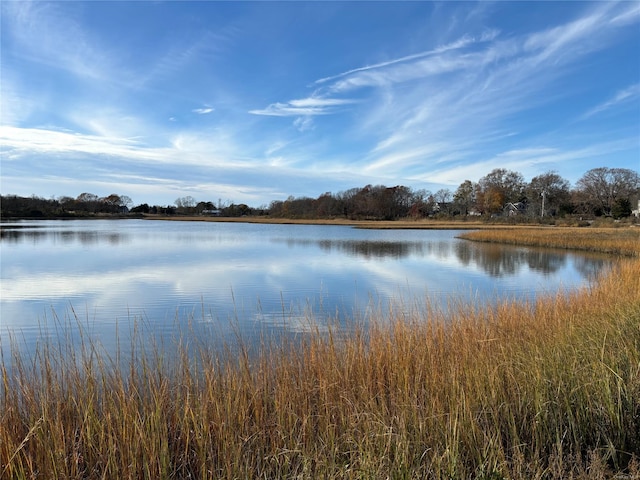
(426, 224)
(619, 241)
(549, 389)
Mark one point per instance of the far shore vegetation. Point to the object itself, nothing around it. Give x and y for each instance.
(500, 196)
(541, 390)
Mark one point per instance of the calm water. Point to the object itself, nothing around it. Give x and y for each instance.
(245, 278)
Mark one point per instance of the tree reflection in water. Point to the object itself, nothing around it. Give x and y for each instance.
(36, 235)
(493, 259)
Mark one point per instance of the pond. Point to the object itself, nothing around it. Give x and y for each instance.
(242, 279)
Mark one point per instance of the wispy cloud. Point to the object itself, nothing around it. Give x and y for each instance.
(54, 38)
(625, 96)
(303, 123)
(428, 112)
(305, 106)
(458, 44)
(324, 100)
(627, 15)
(202, 111)
(17, 141)
(573, 38)
(16, 105)
(199, 46)
(457, 99)
(181, 149)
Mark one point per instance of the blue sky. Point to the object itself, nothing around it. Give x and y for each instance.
(255, 101)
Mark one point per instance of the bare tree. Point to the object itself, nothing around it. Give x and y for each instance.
(600, 188)
(185, 202)
(125, 201)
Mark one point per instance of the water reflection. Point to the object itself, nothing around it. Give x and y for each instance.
(362, 248)
(498, 261)
(243, 277)
(590, 266)
(495, 260)
(16, 235)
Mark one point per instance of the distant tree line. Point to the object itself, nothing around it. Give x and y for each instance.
(84, 204)
(188, 206)
(89, 204)
(611, 192)
(602, 191)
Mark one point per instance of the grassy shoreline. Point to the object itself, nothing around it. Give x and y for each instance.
(543, 390)
(369, 224)
(616, 241)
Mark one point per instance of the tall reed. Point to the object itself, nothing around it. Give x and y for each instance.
(549, 389)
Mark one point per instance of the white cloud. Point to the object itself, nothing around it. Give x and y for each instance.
(319, 102)
(186, 148)
(202, 111)
(42, 140)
